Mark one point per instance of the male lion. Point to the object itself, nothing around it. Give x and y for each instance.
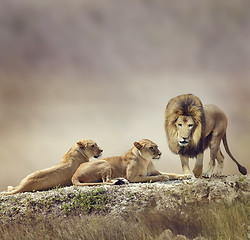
(191, 128)
(136, 166)
(60, 174)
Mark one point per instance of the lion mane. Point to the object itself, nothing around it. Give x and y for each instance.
(185, 105)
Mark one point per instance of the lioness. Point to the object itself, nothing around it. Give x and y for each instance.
(60, 174)
(191, 128)
(136, 166)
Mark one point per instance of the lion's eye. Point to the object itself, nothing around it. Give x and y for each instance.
(180, 125)
(190, 125)
(151, 148)
(92, 146)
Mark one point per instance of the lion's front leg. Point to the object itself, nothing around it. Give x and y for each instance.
(140, 178)
(175, 176)
(185, 165)
(198, 166)
(134, 174)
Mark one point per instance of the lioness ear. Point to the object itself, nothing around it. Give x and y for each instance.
(138, 145)
(80, 144)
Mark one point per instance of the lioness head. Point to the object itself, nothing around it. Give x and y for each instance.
(148, 149)
(89, 148)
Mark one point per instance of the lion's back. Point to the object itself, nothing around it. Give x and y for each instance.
(118, 166)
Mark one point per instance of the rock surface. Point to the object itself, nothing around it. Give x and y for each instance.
(117, 200)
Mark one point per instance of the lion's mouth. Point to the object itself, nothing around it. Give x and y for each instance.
(98, 154)
(183, 143)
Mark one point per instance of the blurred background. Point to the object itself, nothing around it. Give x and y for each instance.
(105, 70)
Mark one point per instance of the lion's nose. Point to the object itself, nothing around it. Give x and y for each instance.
(185, 139)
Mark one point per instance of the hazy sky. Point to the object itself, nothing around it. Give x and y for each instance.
(105, 71)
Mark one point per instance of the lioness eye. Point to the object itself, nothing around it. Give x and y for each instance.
(190, 125)
(92, 146)
(151, 148)
(180, 125)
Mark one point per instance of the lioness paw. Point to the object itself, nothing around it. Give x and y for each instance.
(10, 188)
(164, 177)
(186, 176)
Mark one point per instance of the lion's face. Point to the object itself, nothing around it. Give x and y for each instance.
(89, 148)
(148, 149)
(185, 126)
(184, 123)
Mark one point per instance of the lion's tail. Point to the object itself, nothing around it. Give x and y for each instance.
(242, 169)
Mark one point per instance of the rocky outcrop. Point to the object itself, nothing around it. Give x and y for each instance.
(117, 200)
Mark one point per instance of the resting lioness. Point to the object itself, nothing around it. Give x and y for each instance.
(136, 166)
(60, 174)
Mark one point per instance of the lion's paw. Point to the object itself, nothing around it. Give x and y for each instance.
(206, 175)
(10, 188)
(186, 176)
(164, 177)
(197, 171)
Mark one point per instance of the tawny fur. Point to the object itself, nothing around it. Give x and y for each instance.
(203, 127)
(136, 166)
(60, 174)
(93, 173)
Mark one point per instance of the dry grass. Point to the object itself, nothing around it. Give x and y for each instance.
(212, 221)
(227, 222)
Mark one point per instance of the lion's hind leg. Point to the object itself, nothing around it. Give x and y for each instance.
(211, 167)
(92, 173)
(24, 186)
(106, 174)
(9, 191)
(220, 160)
(11, 188)
(214, 154)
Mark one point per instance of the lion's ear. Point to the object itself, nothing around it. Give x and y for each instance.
(138, 145)
(80, 144)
